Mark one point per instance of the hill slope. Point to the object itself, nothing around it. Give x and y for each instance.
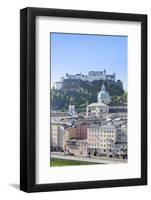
(82, 92)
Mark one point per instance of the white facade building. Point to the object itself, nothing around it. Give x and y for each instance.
(61, 132)
(96, 109)
(57, 85)
(57, 137)
(54, 129)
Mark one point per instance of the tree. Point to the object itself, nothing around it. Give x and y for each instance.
(125, 96)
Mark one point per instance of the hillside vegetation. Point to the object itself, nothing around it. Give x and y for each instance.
(84, 92)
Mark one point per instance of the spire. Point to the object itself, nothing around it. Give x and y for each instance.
(71, 101)
(87, 109)
(103, 87)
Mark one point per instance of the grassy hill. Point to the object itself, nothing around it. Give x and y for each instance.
(83, 92)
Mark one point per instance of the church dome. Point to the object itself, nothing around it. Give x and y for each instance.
(103, 96)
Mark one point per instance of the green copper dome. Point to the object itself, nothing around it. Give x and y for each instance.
(103, 96)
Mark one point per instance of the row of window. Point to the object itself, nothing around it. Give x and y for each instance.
(108, 145)
(90, 136)
(101, 131)
(91, 140)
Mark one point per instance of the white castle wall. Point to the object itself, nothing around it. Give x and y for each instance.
(92, 76)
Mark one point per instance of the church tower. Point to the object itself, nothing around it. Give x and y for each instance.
(87, 109)
(72, 112)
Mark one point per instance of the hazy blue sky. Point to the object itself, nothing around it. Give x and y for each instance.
(77, 53)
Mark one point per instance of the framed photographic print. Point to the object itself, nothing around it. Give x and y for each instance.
(83, 99)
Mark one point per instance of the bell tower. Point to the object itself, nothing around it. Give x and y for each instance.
(72, 108)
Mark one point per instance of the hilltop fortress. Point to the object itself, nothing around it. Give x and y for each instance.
(92, 76)
(74, 81)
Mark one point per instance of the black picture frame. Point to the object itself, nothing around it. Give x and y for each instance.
(28, 99)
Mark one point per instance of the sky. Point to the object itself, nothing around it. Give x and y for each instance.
(81, 53)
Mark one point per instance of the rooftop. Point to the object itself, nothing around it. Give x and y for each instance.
(101, 126)
(117, 104)
(97, 104)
